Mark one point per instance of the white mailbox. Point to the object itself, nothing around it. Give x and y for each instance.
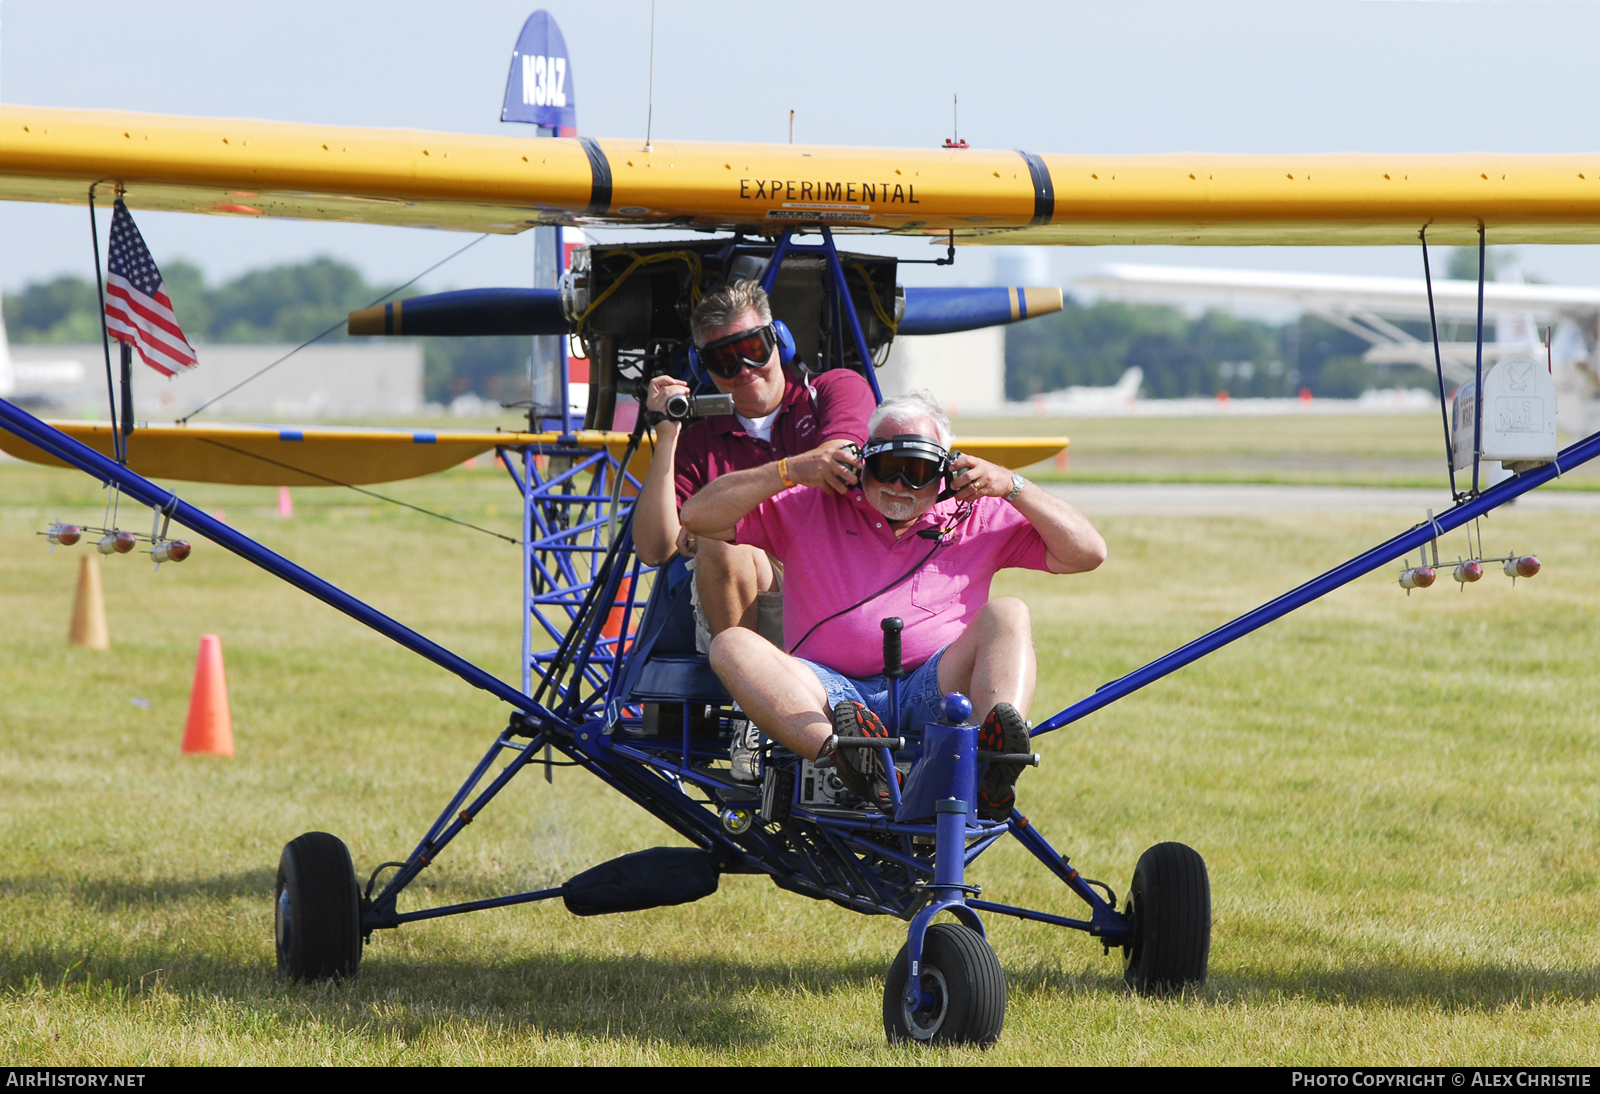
(1519, 415)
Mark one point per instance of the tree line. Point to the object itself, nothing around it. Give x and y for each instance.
(1083, 344)
(1092, 345)
(288, 303)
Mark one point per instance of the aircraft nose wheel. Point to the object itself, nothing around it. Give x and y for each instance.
(1169, 903)
(963, 991)
(317, 910)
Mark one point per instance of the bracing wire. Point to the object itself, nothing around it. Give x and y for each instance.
(1438, 363)
(318, 337)
(117, 450)
(360, 490)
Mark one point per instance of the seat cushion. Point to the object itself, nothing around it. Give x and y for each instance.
(677, 677)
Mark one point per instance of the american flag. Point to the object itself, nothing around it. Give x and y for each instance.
(137, 310)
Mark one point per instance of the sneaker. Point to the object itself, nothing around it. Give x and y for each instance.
(860, 769)
(1002, 731)
(745, 753)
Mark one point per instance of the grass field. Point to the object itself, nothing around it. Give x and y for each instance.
(1395, 796)
(1379, 450)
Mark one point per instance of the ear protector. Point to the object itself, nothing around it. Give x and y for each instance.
(785, 341)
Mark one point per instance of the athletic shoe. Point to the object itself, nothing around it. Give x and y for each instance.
(1002, 731)
(860, 769)
(745, 753)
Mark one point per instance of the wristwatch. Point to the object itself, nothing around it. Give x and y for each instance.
(1017, 483)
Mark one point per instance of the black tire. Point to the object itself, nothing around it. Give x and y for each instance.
(317, 910)
(1169, 903)
(969, 987)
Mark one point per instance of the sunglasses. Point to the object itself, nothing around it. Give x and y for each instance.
(915, 462)
(727, 357)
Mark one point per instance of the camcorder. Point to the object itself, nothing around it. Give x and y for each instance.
(683, 407)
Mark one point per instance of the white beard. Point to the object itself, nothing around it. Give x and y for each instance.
(897, 507)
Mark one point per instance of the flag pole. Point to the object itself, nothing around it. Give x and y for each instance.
(127, 394)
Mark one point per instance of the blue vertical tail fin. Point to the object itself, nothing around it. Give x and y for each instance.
(539, 87)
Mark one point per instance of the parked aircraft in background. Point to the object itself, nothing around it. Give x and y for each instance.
(1517, 316)
(34, 381)
(1076, 400)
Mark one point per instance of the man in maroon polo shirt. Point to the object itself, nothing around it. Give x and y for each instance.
(780, 417)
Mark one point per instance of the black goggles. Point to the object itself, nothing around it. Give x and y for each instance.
(915, 461)
(727, 357)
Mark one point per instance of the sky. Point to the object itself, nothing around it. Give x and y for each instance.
(1136, 76)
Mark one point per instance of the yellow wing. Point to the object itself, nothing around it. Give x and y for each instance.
(507, 184)
(283, 456)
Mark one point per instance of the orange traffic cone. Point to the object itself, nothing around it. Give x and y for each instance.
(210, 727)
(617, 617)
(89, 608)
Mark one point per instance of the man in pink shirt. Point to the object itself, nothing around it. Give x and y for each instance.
(795, 425)
(890, 547)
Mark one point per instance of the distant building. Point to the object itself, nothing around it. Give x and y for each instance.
(966, 371)
(350, 381)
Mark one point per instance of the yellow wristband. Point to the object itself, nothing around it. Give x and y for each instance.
(783, 472)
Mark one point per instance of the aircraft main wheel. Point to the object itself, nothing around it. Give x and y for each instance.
(966, 986)
(1169, 904)
(317, 910)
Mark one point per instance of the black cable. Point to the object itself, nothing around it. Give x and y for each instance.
(315, 338)
(961, 514)
(105, 335)
(1438, 363)
(1477, 394)
(359, 490)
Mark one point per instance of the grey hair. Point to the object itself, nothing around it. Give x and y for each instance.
(912, 406)
(722, 307)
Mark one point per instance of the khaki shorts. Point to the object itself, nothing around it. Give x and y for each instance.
(769, 611)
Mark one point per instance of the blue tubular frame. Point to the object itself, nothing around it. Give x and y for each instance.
(842, 301)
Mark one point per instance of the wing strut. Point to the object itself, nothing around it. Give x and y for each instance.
(16, 420)
(1462, 513)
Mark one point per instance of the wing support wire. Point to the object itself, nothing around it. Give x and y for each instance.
(1438, 364)
(1477, 391)
(1417, 538)
(77, 454)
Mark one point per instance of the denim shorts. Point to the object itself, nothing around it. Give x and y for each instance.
(920, 697)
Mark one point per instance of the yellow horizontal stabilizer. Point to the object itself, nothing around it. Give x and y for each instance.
(280, 456)
(283, 456)
(1012, 452)
(507, 184)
